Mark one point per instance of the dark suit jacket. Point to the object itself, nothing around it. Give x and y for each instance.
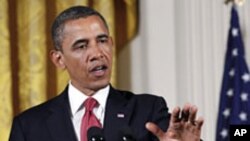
(51, 121)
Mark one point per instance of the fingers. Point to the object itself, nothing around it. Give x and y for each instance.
(199, 122)
(175, 115)
(182, 126)
(192, 114)
(154, 129)
(187, 114)
(182, 115)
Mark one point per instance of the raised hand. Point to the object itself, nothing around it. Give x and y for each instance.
(183, 125)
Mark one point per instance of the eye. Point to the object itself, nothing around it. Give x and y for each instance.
(81, 46)
(103, 40)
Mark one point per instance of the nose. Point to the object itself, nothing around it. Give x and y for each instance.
(96, 53)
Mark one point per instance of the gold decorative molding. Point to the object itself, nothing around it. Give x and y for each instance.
(238, 2)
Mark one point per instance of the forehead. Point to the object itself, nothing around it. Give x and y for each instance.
(87, 25)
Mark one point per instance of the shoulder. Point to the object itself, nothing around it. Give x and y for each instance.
(42, 110)
(146, 107)
(144, 99)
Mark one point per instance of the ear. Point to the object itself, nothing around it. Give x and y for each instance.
(57, 58)
(111, 42)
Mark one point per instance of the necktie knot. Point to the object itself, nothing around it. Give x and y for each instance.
(90, 103)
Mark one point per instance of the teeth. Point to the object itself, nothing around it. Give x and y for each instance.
(99, 68)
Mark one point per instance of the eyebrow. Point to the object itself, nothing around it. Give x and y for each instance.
(87, 40)
(102, 36)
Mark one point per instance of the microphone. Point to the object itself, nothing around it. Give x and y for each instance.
(126, 134)
(95, 134)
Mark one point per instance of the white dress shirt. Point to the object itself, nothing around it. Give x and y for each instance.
(76, 100)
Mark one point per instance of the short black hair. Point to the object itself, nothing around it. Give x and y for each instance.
(71, 13)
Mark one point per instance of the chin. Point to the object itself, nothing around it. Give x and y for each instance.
(100, 84)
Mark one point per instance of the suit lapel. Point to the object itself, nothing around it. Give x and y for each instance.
(118, 114)
(59, 123)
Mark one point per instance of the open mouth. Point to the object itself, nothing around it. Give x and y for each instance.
(99, 70)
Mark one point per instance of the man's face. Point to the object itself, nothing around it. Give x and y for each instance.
(87, 53)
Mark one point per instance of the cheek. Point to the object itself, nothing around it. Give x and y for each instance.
(108, 52)
(76, 62)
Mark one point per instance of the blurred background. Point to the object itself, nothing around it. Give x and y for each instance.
(170, 48)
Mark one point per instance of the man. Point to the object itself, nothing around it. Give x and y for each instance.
(83, 47)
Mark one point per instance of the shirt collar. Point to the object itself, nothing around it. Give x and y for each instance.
(76, 97)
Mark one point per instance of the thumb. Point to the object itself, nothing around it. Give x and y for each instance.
(154, 129)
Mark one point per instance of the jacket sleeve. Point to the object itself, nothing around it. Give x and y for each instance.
(161, 115)
(16, 133)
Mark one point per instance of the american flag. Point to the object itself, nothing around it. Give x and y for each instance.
(234, 97)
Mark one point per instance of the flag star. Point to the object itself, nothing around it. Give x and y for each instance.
(231, 73)
(226, 112)
(235, 52)
(245, 77)
(230, 93)
(243, 116)
(224, 133)
(244, 96)
(235, 32)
